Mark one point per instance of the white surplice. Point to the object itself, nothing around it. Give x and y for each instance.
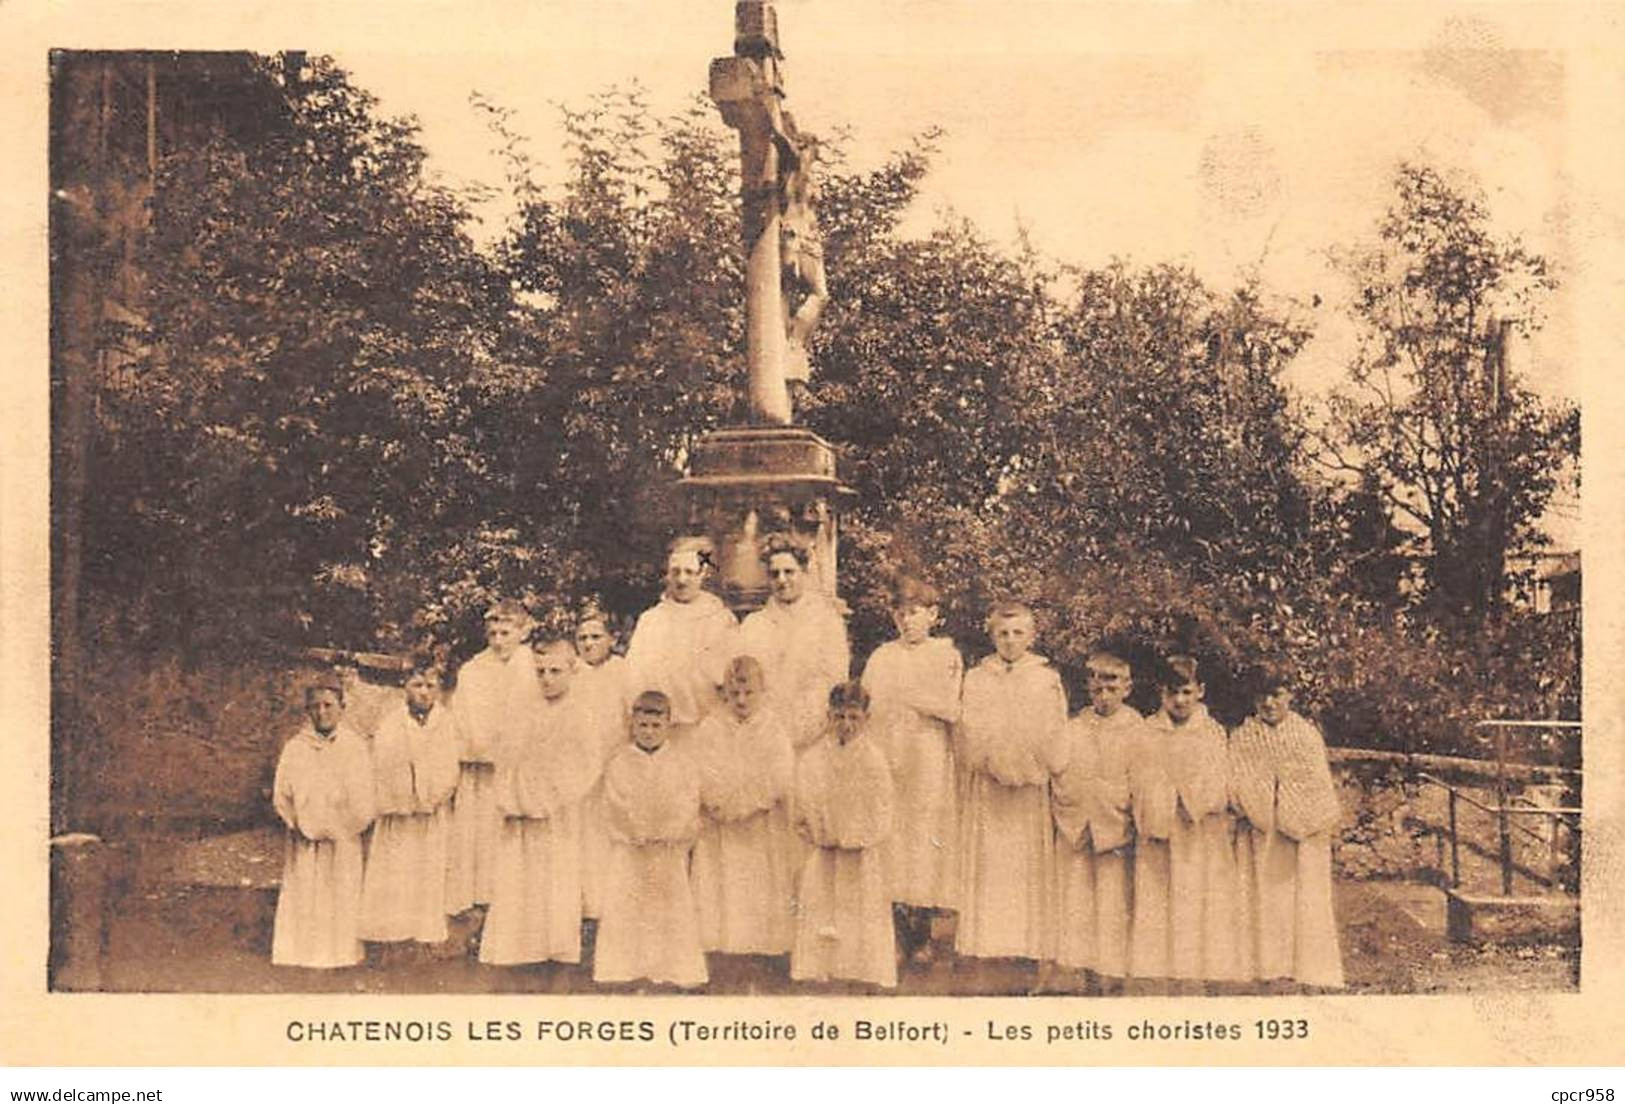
(803, 651)
(323, 792)
(1091, 810)
(1012, 742)
(606, 687)
(682, 650)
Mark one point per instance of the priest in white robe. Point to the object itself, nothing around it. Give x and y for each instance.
(1012, 742)
(843, 809)
(415, 771)
(681, 645)
(323, 793)
(1092, 801)
(799, 637)
(1284, 791)
(542, 774)
(650, 928)
(743, 878)
(914, 683)
(495, 697)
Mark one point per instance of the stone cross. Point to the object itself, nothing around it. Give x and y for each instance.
(775, 162)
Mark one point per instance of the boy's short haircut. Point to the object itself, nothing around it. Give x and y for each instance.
(775, 544)
(651, 702)
(744, 668)
(548, 641)
(910, 591)
(327, 681)
(426, 664)
(1108, 657)
(850, 692)
(1010, 611)
(508, 609)
(589, 611)
(1268, 677)
(1177, 671)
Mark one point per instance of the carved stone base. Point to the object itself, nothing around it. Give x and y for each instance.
(749, 482)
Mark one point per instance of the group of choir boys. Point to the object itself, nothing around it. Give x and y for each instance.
(565, 784)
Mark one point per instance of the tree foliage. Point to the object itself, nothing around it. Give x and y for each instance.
(1432, 423)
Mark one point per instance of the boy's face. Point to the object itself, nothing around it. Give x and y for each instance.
(593, 642)
(685, 576)
(1109, 685)
(1180, 701)
(1012, 637)
(554, 666)
(744, 695)
(1274, 705)
(324, 708)
(650, 727)
(503, 635)
(848, 721)
(914, 622)
(421, 692)
(788, 577)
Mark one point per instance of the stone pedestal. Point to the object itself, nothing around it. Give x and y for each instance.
(746, 483)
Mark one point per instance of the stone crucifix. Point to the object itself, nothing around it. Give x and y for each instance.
(781, 229)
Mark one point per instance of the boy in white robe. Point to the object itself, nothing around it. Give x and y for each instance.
(682, 644)
(800, 639)
(601, 678)
(743, 879)
(1185, 922)
(1012, 742)
(1284, 792)
(323, 794)
(914, 684)
(843, 809)
(543, 772)
(415, 770)
(496, 695)
(1092, 799)
(650, 930)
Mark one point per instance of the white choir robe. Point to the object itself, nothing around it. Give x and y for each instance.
(742, 873)
(682, 650)
(914, 702)
(803, 651)
(1185, 922)
(606, 687)
(541, 777)
(650, 928)
(1283, 786)
(1091, 810)
(323, 793)
(1012, 741)
(493, 700)
(415, 772)
(843, 809)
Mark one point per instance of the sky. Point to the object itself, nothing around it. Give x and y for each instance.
(1234, 138)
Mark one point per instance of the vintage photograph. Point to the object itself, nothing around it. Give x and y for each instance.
(764, 499)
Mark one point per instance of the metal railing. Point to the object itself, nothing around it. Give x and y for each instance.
(1508, 807)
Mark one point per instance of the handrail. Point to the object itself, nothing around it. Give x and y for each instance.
(1503, 812)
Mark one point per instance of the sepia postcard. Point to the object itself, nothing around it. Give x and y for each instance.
(807, 532)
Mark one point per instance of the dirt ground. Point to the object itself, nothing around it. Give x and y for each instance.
(195, 916)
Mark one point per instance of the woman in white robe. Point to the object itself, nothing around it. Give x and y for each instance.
(415, 771)
(1012, 742)
(1283, 789)
(495, 696)
(843, 809)
(650, 929)
(542, 775)
(743, 878)
(323, 792)
(799, 637)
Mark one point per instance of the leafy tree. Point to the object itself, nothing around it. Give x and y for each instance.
(1432, 421)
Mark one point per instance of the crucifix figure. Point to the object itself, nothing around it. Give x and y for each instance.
(781, 228)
